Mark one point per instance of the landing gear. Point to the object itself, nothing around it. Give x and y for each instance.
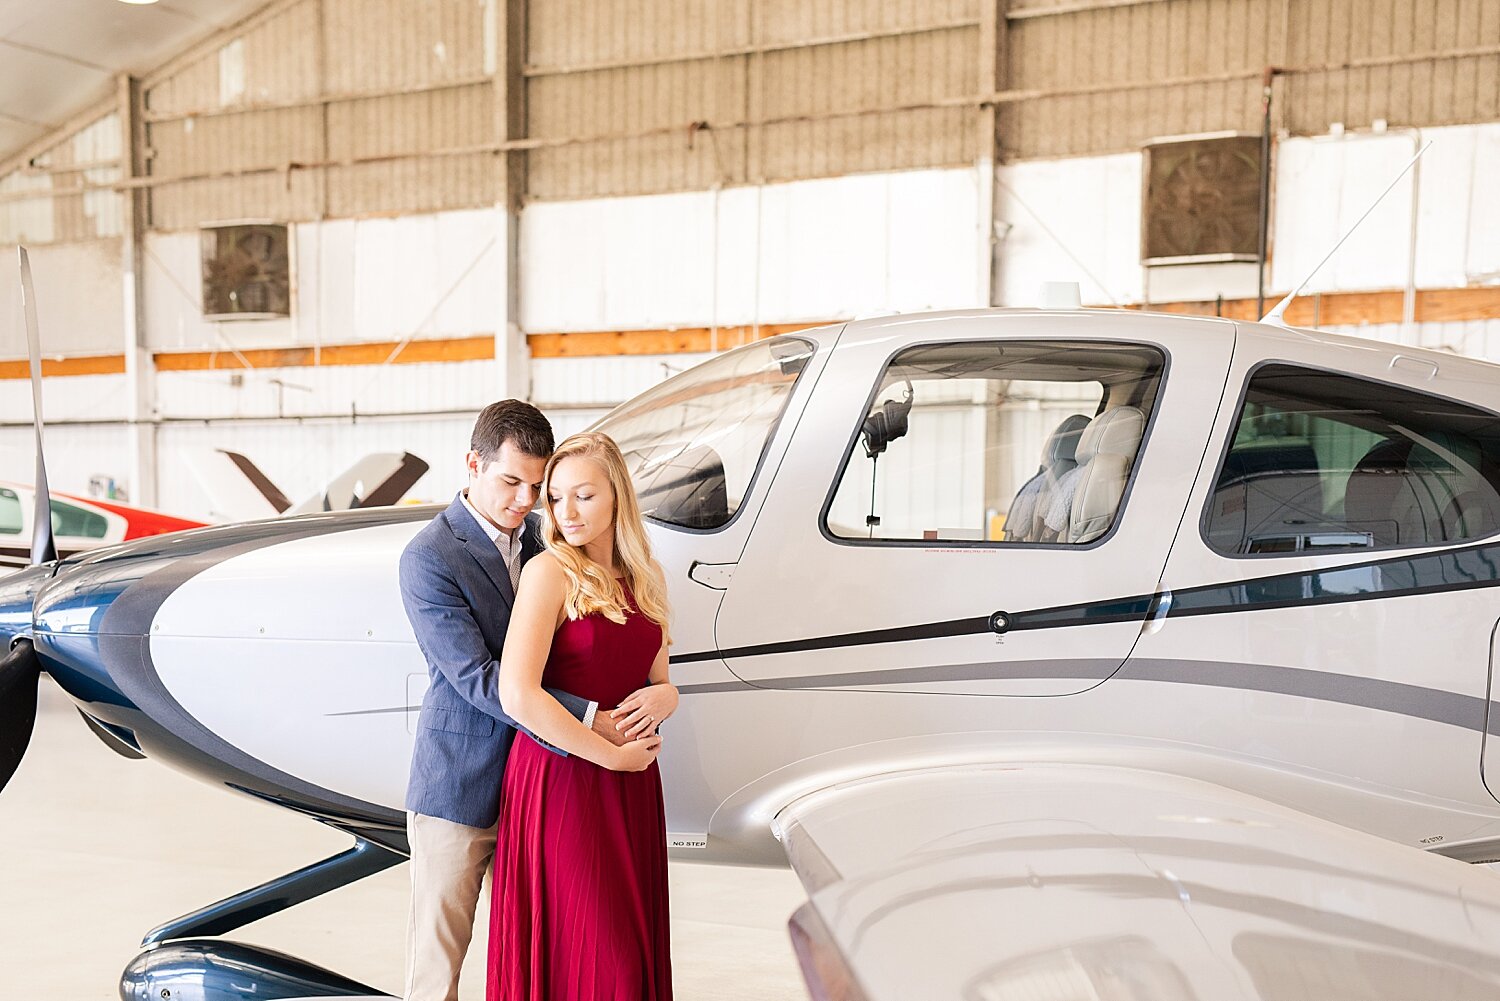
(211, 969)
(180, 964)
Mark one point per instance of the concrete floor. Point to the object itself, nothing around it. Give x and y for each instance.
(96, 850)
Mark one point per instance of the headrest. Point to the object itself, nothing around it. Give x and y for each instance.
(1388, 456)
(1114, 432)
(1063, 445)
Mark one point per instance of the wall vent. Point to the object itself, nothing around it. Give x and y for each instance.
(246, 272)
(1202, 200)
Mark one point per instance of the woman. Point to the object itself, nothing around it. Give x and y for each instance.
(579, 908)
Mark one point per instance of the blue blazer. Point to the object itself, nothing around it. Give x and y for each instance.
(458, 597)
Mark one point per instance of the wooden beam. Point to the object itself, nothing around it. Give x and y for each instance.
(1333, 309)
(684, 340)
(79, 365)
(478, 348)
(1346, 309)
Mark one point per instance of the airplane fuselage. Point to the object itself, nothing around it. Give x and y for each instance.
(1351, 682)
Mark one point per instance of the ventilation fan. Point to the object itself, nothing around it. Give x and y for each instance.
(1202, 200)
(246, 274)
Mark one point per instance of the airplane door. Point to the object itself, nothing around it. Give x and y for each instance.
(985, 513)
(1329, 603)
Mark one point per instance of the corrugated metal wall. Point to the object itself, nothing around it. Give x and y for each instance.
(63, 196)
(347, 108)
(1101, 74)
(1103, 77)
(330, 108)
(1429, 81)
(787, 89)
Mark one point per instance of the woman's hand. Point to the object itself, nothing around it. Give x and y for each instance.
(644, 709)
(635, 755)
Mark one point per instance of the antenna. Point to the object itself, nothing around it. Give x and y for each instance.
(1279, 310)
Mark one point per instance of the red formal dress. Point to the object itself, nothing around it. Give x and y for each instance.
(579, 910)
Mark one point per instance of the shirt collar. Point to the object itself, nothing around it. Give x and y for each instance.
(495, 532)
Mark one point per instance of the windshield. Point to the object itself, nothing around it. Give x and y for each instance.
(694, 443)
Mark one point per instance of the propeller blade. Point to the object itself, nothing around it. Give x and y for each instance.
(19, 671)
(43, 546)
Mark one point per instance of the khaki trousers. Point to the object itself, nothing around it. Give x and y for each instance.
(448, 862)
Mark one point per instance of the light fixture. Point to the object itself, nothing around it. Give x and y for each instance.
(138, 3)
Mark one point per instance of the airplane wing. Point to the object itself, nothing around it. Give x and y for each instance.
(1091, 883)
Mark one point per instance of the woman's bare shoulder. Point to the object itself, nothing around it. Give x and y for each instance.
(543, 567)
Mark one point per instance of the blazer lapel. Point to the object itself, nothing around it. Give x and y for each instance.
(531, 538)
(479, 546)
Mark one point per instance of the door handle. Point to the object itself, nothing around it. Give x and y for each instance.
(714, 575)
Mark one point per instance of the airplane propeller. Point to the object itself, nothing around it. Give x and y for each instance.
(43, 547)
(20, 670)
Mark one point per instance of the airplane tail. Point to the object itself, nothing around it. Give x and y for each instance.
(237, 489)
(379, 479)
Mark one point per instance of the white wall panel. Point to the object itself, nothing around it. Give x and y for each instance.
(1324, 184)
(606, 381)
(66, 398)
(440, 275)
(327, 390)
(808, 250)
(74, 454)
(1053, 214)
(1050, 212)
(79, 294)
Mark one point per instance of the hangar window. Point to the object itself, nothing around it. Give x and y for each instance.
(1322, 461)
(694, 443)
(1020, 442)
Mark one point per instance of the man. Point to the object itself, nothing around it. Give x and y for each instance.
(458, 583)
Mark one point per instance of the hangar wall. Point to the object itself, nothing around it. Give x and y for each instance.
(678, 176)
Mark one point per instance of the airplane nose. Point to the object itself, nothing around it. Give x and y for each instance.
(17, 593)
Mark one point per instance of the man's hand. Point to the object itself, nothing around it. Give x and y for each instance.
(644, 709)
(604, 726)
(636, 755)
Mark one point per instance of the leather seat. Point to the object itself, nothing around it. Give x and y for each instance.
(1024, 521)
(1092, 492)
(1406, 494)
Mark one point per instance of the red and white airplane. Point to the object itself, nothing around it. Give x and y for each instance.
(78, 523)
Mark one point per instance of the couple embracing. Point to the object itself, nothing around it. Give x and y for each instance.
(546, 645)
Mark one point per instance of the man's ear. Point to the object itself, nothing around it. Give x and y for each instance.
(473, 462)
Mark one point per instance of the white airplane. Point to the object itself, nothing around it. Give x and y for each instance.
(1064, 654)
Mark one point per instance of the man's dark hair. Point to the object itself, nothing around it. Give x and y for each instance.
(512, 421)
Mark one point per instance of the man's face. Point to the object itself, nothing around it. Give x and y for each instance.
(505, 489)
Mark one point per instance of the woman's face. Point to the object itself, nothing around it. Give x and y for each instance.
(581, 501)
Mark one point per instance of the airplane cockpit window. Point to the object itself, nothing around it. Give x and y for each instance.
(10, 512)
(77, 522)
(998, 442)
(1322, 462)
(695, 442)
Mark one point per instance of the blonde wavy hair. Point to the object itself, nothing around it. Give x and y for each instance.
(591, 587)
